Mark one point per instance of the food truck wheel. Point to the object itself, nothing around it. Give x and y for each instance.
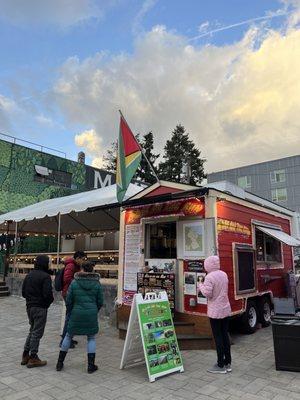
(264, 310)
(249, 318)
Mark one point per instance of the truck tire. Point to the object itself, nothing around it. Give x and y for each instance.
(249, 319)
(264, 311)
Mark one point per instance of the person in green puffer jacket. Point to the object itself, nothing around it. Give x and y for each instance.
(84, 300)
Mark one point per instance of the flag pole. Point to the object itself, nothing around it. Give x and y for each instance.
(142, 150)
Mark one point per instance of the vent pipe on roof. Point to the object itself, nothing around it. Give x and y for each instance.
(81, 157)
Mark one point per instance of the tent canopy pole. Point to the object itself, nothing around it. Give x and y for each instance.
(58, 238)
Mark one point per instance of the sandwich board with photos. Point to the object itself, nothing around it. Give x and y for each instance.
(151, 337)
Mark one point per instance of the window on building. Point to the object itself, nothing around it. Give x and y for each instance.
(268, 249)
(277, 176)
(279, 194)
(244, 182)
(161, 240)
(53, 177)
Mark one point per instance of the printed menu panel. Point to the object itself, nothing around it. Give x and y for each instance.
(150, 282)
(132, 256)
(159, 337)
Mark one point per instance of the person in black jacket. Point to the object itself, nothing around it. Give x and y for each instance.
(37, 290)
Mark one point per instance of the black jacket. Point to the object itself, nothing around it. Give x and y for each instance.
(37, 289)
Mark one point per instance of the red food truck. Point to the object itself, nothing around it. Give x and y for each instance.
(166, 232)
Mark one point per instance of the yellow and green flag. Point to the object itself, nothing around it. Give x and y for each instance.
(128, 158)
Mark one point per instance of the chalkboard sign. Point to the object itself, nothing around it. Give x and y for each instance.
(245, 270)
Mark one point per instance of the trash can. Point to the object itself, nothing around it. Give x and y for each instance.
(286, 337)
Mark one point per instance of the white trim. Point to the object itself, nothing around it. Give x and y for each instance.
(285, 214)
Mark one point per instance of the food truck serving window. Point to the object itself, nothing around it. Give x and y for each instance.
(161, 240)
(267, 247)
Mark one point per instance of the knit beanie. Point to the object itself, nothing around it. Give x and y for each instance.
(42, 262)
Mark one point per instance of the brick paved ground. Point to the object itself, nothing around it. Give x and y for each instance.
(254, 376)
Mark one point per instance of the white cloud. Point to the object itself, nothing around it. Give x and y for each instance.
(91, 143)
(145, 8)
(240, 103)
(63, 13)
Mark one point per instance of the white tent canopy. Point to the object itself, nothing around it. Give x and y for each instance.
(95, 210)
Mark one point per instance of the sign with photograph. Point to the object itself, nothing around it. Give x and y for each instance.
(150, 282)
(193, 239)
(156, 335)
(190, 283)
(200, 298)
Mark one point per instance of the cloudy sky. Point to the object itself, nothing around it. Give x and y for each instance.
(228, 70)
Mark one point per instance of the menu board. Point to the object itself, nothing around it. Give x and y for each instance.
(132, 256)
(157, 335)
(151, 282)
(162, 351)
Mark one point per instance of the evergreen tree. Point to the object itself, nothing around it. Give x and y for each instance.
(144, 172)
(177, 151)
(110, 159)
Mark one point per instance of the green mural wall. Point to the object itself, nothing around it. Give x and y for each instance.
(18, 187)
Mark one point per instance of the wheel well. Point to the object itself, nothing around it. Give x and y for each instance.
(257, 299)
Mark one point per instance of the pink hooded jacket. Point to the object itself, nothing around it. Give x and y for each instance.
(215, 289)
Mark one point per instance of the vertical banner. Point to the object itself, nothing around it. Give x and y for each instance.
(156, 334)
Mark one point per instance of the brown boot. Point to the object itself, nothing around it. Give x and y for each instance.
(34, 362)
(25, 358)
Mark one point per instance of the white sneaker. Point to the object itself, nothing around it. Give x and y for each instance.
(217, 370)
(228, 367)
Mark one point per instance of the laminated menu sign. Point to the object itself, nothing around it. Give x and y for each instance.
(157, 335)
(132, 256)
(154, 282)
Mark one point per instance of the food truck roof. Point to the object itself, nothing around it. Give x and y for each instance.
(175, 191)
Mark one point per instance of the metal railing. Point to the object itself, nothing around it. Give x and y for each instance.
(41, 148)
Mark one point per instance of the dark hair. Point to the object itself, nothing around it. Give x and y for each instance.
(79, 254)
(42, 262)
(88, 266)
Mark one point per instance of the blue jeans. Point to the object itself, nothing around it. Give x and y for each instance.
(91, 343)
(68, 314)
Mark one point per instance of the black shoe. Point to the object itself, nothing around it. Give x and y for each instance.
(60, 361)
(72, 345)
(75, 342)
(91, 363)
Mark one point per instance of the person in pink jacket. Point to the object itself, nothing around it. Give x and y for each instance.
(215, 289)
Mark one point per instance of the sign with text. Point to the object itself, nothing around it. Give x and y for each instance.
(191, 207)
(151, 328)
(132, 256)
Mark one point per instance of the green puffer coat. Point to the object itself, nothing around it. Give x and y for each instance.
(84, 300)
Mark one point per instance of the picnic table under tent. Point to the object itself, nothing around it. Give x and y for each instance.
(82, 213)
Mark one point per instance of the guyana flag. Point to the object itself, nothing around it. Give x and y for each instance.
(128, 158)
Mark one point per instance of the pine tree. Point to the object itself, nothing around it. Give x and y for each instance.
(110, 159)
(144, 172)
(178, 150)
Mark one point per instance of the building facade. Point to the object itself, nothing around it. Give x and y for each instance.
(28, 176)
(276, 180)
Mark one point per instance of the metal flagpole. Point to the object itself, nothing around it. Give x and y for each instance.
(58, 239)
(142, 150)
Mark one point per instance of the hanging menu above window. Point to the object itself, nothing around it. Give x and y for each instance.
(132, 256)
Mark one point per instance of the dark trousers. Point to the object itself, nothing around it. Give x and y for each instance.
(37, 318)
(219, 329)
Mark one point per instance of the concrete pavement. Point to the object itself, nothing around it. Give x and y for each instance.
(254, 376)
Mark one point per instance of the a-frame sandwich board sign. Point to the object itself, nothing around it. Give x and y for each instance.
(151, 337)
